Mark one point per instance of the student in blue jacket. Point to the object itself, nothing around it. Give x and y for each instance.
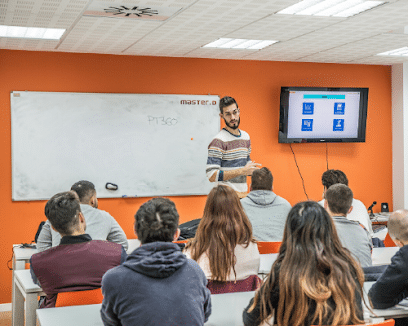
(157, 284)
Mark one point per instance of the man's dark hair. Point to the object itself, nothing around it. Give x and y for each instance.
(227, 101)
(262, 179)
(85, 190)
(339, 198)
(156, 220)
(62, 211)
(331, 177)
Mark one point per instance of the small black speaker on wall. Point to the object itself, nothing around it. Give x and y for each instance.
(384, 207)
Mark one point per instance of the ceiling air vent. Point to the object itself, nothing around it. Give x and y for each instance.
(129, 11)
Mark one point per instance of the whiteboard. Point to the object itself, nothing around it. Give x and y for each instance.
(146, 144)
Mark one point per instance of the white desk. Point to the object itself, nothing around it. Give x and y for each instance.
(88, 315)
(21, 256)
(227, 308)
(226, 311)
(24, 288)
(382, 256)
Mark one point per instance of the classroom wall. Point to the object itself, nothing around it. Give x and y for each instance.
(256, 87)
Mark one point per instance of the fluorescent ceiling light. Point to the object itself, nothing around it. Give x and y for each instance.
(31, 32)
(231, 43)
(335, 8)
(401, 52)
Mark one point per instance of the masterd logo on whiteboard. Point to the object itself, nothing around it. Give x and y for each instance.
(129, 11)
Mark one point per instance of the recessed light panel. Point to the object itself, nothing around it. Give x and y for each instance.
(401, 52)
(232, 43)
(31, 32)
(335, 8)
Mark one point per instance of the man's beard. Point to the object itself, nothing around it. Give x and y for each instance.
(233, 126)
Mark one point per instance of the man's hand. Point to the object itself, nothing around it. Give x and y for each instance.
(249, 168)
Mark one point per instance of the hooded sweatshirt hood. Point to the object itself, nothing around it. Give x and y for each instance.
(156, 259)
(262, 197)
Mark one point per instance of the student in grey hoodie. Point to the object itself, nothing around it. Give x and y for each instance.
(157, 284)
(266, 210)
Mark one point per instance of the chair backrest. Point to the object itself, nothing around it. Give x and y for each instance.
(269, 247)
(77, 298)
(251, 283)
(389, 322)
(388, 241)
(181, 241)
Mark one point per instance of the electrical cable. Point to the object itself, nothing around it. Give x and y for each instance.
(303, 181)
(327, 157)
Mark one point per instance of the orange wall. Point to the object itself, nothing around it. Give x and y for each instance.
(256, 87)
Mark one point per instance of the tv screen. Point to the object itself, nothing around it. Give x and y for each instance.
(322, 114)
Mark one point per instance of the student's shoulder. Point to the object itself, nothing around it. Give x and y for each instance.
(116, 278)
(401, 257)
(283, 201)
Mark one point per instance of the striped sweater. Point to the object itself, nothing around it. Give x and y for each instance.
(228, 152)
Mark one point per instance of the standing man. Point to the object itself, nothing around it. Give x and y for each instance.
(229, 161)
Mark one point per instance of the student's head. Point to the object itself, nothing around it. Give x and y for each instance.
(86, 192)
(229, 111)
(312, 267)
(331, 177)
(157, 220)
(398, 227)
(339, 198)
(223, 226)
(64, 213)
(262, 179)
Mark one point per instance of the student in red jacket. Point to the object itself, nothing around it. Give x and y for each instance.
(79, 262)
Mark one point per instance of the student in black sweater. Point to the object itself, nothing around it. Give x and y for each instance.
(392, 286)
(314, 280)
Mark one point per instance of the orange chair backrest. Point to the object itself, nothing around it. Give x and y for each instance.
(388, 322)
(180, 241)
(388, 241)
(77, 298)
(269, 247)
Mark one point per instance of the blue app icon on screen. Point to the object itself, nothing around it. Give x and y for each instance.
(338, 124)
(339, 108)
(307, 124)
(308, 108)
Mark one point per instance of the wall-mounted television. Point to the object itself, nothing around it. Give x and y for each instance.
(322, 114)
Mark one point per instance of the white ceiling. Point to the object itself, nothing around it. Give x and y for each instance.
(355, 39)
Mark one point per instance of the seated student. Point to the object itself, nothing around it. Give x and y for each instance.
(314, 280)
(352, 235)
(78, 262)
(266, 211)
(100, 224)
(157, 284)
(392, 286)
(223, 245)
(359, 213)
